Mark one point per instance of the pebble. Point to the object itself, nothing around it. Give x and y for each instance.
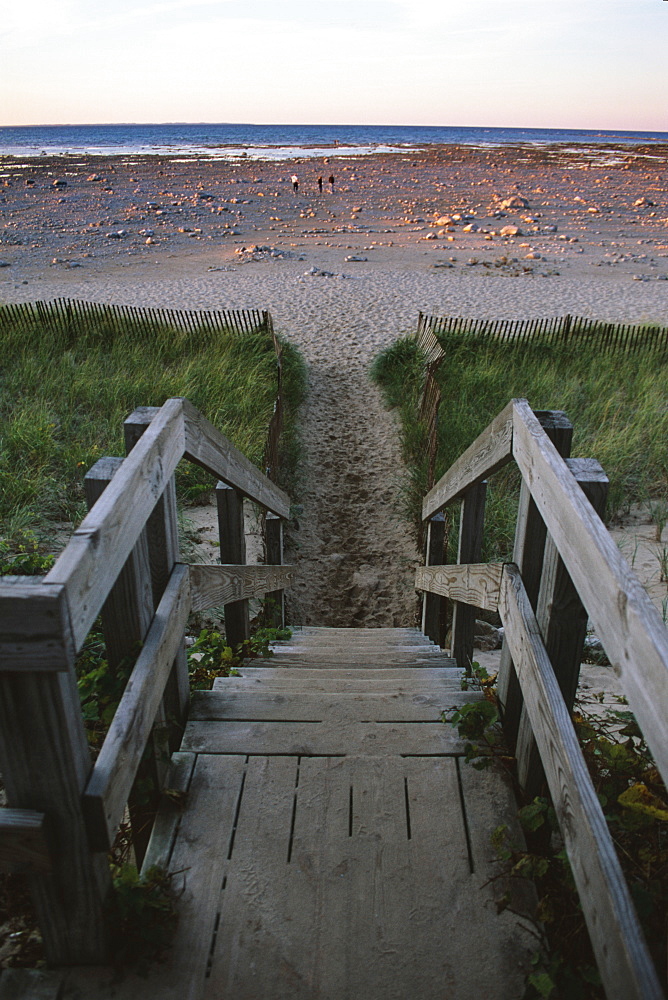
(5, 263)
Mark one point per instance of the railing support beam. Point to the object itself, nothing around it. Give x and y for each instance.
(232, 536)
(471, 524)
(530, 535)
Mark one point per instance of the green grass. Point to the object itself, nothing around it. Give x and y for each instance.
(617, 404)
(64, 396)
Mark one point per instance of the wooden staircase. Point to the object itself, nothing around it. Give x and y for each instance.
(333, 844)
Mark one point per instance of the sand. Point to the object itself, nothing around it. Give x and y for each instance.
(344, 274)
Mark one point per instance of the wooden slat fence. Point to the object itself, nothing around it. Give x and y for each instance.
(566, 568)
(574, 330)
(74, 318)
(121, 562)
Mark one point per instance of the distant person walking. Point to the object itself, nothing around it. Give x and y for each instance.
(320, 185)
(295, 183)
(331, 182)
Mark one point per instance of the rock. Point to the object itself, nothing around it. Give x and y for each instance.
(59, 184)
(532, 256)
(515, 201)
(354, 257)
(643, 202)
(150, 241)
(5, 263)
(443, 220)
(93, 177)
(470, 228)
(486, 637)
(511, 231)
(430, 236)
(548, 229)
(117, 235)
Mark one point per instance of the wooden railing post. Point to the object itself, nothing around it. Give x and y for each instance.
(471, 525)
(232, 537)
(126, 618)
(433, 606)
(562, 619)
(162, 533)
(274, 600)
(45, 763)
(528, 550)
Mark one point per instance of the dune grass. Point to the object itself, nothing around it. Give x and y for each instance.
(617, 404)
(64, 396)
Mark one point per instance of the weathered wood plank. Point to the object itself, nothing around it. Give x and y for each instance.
(471, 526)
(473, 583)
(23, 843)
(231, 534)
(274, 600)
(625, 619)
(528, 553)
(162, 535)
(433, 605)
(275, 706)
(623, 960)
(113, 774)
(165, 828)
(35, 631)
(562, 620)
(99, 547)
(488, 453)
(426, 739)
(212, 586)
(256, 951)
(210, 449)
(45, 760)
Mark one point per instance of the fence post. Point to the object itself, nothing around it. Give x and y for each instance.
(562, 620)
(126, 618)
(233, 550)
(433, 606)
(471, 523)
(274, 600)
(45, 763)
(162, 534)
(528, 553)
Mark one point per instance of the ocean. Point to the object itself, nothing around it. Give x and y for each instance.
(231, 141)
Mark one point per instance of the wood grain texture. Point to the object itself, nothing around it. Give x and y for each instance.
(115, 768)
(99, 547)
(274, 608)
(165, 828)
(210, 449)
(212, 586)
(231, 534)
(276, 706)
(473, 583)
(427, 739)
(35, 630)
(45, 761)
(562, 620)
(471, 526)
(628, 624)
(488, 453)
(23, 843)
(433, 605)
(623, 960)
(528, 553)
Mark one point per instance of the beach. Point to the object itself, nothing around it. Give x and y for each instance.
(513, 232)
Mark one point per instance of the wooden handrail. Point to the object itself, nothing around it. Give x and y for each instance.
(623, 958)
(632, 633)
(123, 561)
(628, 624)
(488, 453)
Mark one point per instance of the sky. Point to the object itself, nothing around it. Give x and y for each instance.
(522, 63)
